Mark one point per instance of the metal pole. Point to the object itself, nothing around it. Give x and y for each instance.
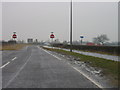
(52, 43)
(81, 41)
(52, 40)
(71, 26)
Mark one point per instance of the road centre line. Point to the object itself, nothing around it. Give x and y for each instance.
(14, 58)
(5, 65)
(51, 54)
(8, 62)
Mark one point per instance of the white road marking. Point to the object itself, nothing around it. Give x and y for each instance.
(14, 58)
(18, 72)
(51, 54)
(88, 78)
(8, 62)
(5, 65)
(97, 84)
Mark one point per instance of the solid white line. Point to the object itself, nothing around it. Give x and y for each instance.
(14, 58)
(5, 65)
(51, 54)
(97, 84)
(88, 77)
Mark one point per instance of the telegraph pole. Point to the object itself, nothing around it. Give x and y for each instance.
(71, 26)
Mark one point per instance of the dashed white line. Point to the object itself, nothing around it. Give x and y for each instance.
(8, 62)
(5, 65)
(14, 58)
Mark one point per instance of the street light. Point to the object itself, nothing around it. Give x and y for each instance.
(71, 26)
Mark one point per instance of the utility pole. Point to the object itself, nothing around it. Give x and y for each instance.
(71, 26)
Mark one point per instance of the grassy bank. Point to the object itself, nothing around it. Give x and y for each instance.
(12, 46)
(109, 50)
(109, 68)
(99, 52)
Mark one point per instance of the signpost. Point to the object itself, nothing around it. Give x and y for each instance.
(52, 36)
(14, 36)
(81, 38)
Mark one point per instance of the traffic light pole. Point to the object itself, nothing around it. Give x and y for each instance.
(71, 26)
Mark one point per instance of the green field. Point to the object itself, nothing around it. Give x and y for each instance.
(109, 68)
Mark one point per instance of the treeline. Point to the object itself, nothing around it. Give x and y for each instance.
(105, 49)
(8, 42)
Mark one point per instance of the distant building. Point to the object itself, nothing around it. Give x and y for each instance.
(30, 40)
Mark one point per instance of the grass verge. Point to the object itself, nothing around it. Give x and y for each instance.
(13, 46)
(109, 68)
(99, 52)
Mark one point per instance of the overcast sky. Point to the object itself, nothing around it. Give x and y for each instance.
(37, 19)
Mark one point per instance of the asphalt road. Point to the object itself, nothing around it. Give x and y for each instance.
(33, 67)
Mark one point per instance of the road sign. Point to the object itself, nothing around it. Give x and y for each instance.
(52, 36)
(81, 36)
(14, 36)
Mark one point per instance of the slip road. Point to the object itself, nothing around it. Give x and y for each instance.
(33, 67)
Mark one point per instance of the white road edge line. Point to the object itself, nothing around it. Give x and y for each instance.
(97, 84)
(14, 58)
(88, 78)
(51, 54)
(5, 65)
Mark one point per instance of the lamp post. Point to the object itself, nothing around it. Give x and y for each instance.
(71, 26)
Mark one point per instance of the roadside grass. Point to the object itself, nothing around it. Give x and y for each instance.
(13, 46)
(99, 52)
(110, 69)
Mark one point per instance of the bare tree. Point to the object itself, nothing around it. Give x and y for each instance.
(100, 39)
